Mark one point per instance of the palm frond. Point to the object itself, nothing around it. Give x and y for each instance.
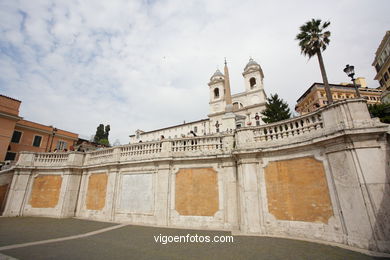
(312, 37)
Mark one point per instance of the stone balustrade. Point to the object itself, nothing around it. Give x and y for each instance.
(100, 156)
(131, 152)
(51, 159)
(340, 116)
(140, 150)
(197, 143)
(289, 128)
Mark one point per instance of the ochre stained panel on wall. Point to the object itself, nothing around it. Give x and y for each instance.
(197, 192)
(45, 191)
(3, 192)
(297, 190)
(96, 194)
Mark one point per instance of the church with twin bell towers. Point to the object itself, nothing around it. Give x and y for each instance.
(227, 111)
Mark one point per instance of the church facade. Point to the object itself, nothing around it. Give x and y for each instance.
(227, 112)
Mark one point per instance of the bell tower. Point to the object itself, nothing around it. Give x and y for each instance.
(217, 92)
(253, 77)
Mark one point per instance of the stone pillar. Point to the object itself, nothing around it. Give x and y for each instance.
(248, 183)
(18, 191)
(72, 178)
(245, 138)
(80, 212)
(75, 159)
(230, 195)
(228, 143)
(166, 148)
(162, 193)
(26, 159)
(360, 183)
(346, 114)
(228, 122)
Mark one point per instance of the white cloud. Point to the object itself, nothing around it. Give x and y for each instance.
(133, 64)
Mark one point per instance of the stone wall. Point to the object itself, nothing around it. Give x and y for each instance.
(323, 176)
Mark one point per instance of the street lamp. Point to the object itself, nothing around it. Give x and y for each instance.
(52, 138)
(350, 71)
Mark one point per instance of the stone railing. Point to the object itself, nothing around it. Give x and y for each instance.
(197, 143)
(100, 156)
(286, 131)
(336, 118)
(148, 149)
(194, 146)
(343, 115)
(51, 159)
(289, 128)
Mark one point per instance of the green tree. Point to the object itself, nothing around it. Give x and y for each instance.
(104, 142)
(101, 136)
(380, 110)
(275, 110)
(313, 40)
(99, 133)
(106, 131)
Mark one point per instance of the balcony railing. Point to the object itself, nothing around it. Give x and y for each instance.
(289, 128)
(197, 144)
(51, 159)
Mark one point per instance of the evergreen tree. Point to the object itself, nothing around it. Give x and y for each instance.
(99, 133)
(104, 142)
(106, 131)
(380, 110)
(101, 136)
(275, 110)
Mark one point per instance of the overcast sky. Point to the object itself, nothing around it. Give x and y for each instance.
(146, 64)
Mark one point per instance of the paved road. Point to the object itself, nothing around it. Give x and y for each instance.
(135, 242)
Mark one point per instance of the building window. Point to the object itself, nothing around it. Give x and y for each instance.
(37, 141)
(386, 76)
(377, 67)
(61, 145)
(216, 93)
(381, 82)
(16, 137)
(257, 118)
(10, 156)
(235, 106)
(252, 82)
(195, 129)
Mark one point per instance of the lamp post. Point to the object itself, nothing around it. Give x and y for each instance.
(350, 71)
(52, 138)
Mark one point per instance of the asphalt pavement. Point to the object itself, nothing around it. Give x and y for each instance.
(49, 238)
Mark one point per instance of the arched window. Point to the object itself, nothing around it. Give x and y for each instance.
(252, 82)
(237, 106)
(216, 93)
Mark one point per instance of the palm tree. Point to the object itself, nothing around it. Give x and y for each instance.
(313, 39)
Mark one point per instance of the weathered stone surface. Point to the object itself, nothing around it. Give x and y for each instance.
(196, 192)
(45, 191)
(137, 193)
(96, 195)
(297, 190)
